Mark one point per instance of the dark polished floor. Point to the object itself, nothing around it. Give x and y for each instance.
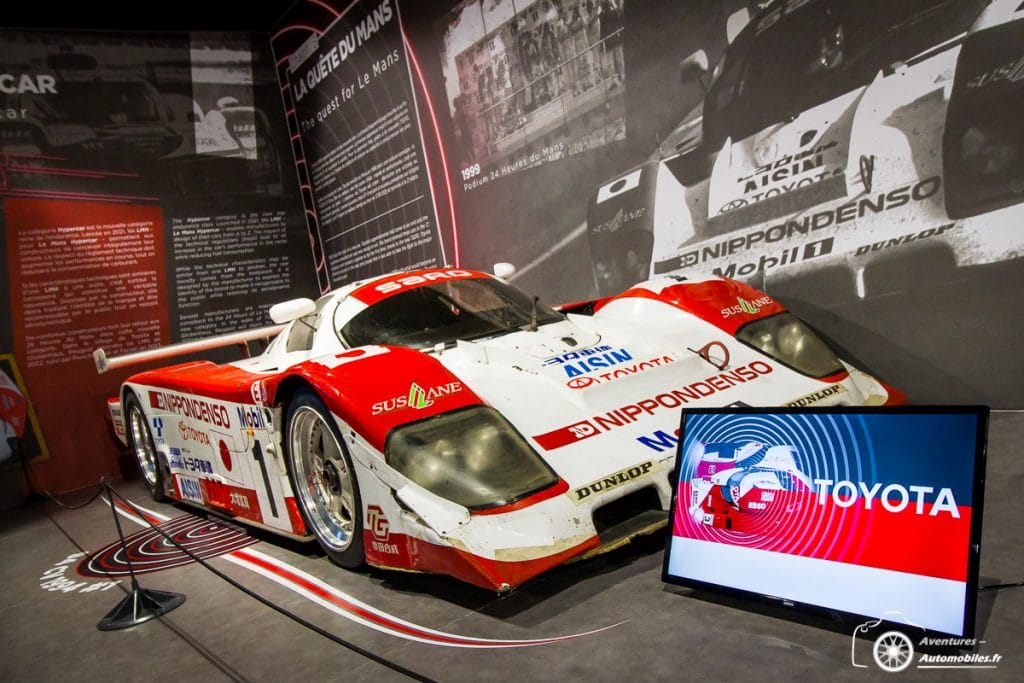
(433, 627)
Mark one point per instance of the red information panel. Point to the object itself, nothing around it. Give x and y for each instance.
(83, 275)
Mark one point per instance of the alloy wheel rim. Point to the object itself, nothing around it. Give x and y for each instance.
(145, 453)
(323, 479)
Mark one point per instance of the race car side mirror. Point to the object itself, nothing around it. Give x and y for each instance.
(503, 270)
(693, 67)
(290, 310)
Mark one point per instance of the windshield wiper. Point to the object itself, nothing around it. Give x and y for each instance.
(533, 314)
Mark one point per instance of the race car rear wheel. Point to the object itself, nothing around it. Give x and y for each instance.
(140, 440)
(325, 482)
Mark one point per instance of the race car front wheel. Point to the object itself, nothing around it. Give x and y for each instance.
(325, 482)
(140, 440)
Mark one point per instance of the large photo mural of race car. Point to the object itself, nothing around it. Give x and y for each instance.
(858, 159)
(831, 132)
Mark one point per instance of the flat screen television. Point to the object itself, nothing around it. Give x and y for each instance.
(864, 512)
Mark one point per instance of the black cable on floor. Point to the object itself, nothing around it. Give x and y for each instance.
(280, 610)
(997, 586)
(20, 454)
(68, 506)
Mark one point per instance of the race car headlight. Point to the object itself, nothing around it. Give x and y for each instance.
(989, 148)
(790, 341)
(472, 457)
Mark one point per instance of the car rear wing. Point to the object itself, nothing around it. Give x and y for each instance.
(104, 363)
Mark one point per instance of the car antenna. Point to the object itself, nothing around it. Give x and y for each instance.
(533, 314)
(705, 353)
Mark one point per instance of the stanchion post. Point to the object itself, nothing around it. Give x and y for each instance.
(141, 604)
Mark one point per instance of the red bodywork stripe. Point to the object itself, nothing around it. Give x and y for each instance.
(563, 436)
(896, 397)
(834, 378)
(298, 524)
(556, 489)
(496, 575)
(726, 304)
(202, 378)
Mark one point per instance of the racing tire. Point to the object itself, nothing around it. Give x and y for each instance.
(325, 483)
(155, 473)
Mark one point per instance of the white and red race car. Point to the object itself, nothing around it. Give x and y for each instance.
(744, 486)
(833, 133)
(443, 421)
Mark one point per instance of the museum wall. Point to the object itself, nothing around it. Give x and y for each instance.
(147, 196)
(860, 161)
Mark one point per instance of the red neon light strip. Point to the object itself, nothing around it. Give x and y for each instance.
(53, 194)
(440, 149)
(69, 171)
(327, 7)
(296, 27)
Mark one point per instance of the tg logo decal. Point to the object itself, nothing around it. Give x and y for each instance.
(377, 523)
(379, 527)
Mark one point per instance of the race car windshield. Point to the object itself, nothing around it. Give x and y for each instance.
(444, 312)
(782, 65)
